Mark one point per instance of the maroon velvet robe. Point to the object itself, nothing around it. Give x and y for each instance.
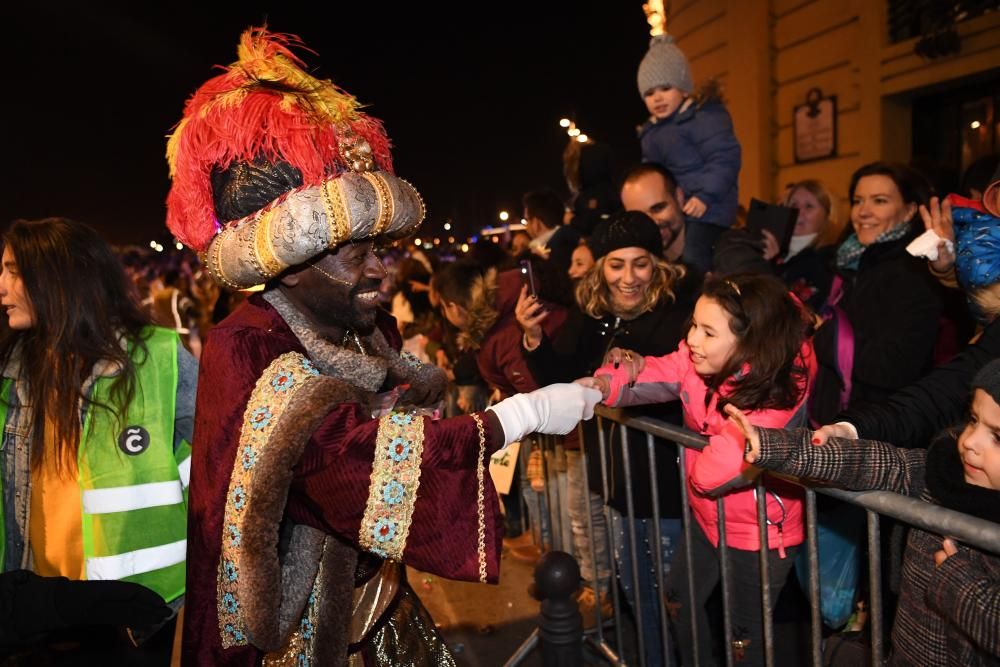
(331, 483)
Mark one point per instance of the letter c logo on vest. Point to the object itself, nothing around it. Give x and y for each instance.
(134, 440)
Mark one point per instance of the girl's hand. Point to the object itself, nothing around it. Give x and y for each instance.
(771, 247)
(632, 361)
(598, 382)
(695, 207)
(530, 314)
(948, 549)
(938, 218)
(749, 432)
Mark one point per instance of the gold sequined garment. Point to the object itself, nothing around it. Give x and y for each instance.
(408, 637)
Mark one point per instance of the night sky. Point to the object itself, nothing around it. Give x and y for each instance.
(472, 107)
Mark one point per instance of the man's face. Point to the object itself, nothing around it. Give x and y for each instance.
(649, 194)
(340, 287)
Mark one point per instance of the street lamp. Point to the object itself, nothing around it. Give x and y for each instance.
(504, 216)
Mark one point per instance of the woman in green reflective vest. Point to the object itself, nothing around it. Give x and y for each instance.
(97, 412)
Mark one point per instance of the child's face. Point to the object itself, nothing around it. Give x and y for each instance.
(979, 443)
(710, 339)
(663, 101)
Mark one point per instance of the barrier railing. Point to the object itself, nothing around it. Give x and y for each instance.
(967, 529)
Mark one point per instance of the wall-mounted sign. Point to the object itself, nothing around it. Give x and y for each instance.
(815, 127)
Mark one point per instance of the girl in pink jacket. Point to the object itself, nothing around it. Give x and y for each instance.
(747, 345)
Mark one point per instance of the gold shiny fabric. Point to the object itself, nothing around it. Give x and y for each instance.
(372, 598)
(408, 637)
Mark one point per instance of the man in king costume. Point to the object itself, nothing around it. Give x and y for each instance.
(305, 498)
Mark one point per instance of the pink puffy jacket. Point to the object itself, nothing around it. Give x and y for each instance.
(719, 469)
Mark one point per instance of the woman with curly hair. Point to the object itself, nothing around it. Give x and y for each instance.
(632, 298)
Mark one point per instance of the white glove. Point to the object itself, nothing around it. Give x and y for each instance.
(554, 409)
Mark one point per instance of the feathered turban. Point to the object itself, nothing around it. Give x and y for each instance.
(271, 167)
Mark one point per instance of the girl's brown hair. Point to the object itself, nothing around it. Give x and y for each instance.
(770, 328)
(85, 312)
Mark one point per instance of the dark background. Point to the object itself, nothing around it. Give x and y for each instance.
(470, 94)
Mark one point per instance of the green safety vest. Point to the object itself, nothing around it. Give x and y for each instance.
(133, 485)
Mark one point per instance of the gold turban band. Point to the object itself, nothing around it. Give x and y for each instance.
(308, 221)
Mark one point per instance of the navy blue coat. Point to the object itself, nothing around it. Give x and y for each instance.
(699, 147)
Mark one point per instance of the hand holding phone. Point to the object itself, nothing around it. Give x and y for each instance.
(528, 276)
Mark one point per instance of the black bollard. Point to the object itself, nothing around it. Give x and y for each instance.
(560, 629)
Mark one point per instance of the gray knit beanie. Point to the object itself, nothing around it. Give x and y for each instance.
(664, 65)
(988, 379)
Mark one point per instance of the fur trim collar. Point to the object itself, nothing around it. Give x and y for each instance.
(381, 367)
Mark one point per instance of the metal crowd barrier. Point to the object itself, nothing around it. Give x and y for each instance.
(968, 529)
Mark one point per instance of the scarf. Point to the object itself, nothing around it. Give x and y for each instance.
(850, 251)
(946, 482)
(799, 243)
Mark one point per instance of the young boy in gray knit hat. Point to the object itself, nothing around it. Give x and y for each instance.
(691, 134)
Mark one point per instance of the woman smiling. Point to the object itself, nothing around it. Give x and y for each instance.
(886, 303)
(630, 298)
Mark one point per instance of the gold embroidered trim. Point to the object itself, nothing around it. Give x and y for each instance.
(264, 247)
(215, 266)
(395, 479)
(480, 502)
(385, 202)
(272, 394)
(338, 217)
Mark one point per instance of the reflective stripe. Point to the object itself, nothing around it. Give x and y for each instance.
(184, 468)
(136, 562)
(128, 498)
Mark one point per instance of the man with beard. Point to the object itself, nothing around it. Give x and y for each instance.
(316, 472)
(651, 189)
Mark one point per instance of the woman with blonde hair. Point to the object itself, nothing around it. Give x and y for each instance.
(807, 267)
(630, 298)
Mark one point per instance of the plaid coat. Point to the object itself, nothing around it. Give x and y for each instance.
(947, 615)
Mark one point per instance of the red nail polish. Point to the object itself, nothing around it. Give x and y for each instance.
(815, 441)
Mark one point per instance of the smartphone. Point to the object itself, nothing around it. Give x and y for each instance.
(779, 220)
(528, 276)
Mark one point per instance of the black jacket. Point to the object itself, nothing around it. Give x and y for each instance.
(894, 306)
(578, 350)
(913, 415)
(808, 275)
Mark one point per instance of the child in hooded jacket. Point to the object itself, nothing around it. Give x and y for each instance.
(747, 346)
(691, 134)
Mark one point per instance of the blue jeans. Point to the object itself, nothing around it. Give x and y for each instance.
(650, 597)
(578, 504)
(538, 509)
(699, 244)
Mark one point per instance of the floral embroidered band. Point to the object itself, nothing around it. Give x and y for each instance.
(394, 483)
(274, 392)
